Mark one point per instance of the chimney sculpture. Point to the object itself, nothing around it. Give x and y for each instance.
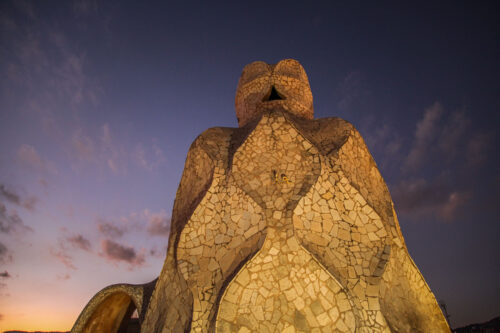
(281, 225)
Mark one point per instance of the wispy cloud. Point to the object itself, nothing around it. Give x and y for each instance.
(432, 174)
(50, 70)
(82, 146)
(452, 133)
(159, 225)
(108, 152)
(419, 198)
(111, 154)
(110, 229)
(447, 138)
(45, 76)
(153, 223)
(148, 160)
(11, 223)
(425, 133)
(80, 242)
(50, 75)
(62, 256)
(10, 196)
(65, 246)
(352, 92)
(143, 222)
(478, 148)
(63, 277)
(110, 249)
(386, 142)
(5, 255)
(29, 157)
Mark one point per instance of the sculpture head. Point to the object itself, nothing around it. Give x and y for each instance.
(262, 87)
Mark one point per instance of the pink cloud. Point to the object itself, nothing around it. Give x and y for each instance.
(12, 197)
(64, 248)
(5, 275)
(352, 91)
(5, 255)
(9, 195)
(63, 277)
(419, 198)
(116, 252)
(109, 229)
(10, 222)
(28, 156)
(159, 225)
(451, 207)
(101, 150)
(148, 159)
(452, 134)
(478, 148)
(425, 133)
(114, 155)
(62, 255)
(82, 146)
(78, 241)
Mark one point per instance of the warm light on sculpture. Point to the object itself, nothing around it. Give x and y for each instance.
(281, 225)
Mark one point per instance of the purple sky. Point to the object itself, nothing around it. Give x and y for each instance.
(99, 103)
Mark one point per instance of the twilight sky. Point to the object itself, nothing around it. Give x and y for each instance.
(100, 101)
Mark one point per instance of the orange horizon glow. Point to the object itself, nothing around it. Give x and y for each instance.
(39, 310)
(37, 322)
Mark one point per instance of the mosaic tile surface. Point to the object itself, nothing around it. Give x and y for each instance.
(286, 225)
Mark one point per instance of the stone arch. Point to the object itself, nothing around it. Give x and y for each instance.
(109, 311)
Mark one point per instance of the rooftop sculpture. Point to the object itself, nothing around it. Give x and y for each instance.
(281, 225)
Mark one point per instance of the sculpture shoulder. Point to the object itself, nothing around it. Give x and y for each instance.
(341, 129)
(335, 124)
(214, 141)
(216, 133)
(206, 151)
(327, 134)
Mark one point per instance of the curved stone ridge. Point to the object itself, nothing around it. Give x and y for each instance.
(282, 225)
(107, 311)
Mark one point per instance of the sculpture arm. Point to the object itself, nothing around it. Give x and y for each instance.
(407, 302)
(170, 309)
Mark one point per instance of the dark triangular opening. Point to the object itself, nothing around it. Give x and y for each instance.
(273, 95)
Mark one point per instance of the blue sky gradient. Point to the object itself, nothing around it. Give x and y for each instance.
(100, 101)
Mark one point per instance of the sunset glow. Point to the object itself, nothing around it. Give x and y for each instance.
(100, 102)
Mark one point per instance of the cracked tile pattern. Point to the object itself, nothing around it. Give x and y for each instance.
(286, 225)
(285, 288)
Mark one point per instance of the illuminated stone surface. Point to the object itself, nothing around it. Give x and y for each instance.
(283, 225)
